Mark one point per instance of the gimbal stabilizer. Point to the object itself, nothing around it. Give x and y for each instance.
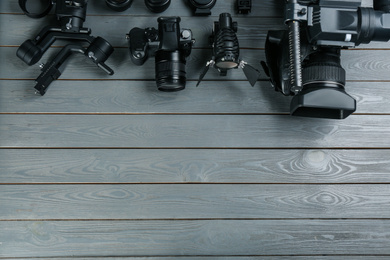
(304, 60)
(71, 16)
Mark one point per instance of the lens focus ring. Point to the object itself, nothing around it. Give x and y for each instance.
(170, 70)
(323, 72)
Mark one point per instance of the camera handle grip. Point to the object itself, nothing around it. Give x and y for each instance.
(294, 13)
(294, 45)
(31, 51)
(53, 70)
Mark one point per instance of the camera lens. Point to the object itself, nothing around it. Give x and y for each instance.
(202, 7)
(170, 70)
(119, 5)
(323, 93)
(157, 6)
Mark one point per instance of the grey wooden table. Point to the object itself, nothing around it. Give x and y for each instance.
(107, 166)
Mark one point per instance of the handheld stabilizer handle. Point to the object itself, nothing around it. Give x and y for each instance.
(71, 16)
(98, 52)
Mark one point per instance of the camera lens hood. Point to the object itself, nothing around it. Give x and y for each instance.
(157, 6)
(202, 7)
(119, 5)
(323, 100)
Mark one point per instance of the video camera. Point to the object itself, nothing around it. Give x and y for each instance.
(304, 60)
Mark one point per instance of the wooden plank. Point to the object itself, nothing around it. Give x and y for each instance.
(359, 65)
(307, 257)
(251, 32)
(193, 201)
(194, 131)
(142, 97)
(201, 166)
(194, 238)
(252, 29)
(177, 8)
(80, 67)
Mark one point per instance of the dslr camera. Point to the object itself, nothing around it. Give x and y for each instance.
(170, 45)
(304, 60)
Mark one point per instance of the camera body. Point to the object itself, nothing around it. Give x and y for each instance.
(304, 60)
(169, 44)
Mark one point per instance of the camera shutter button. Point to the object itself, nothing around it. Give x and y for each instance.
(185, 34)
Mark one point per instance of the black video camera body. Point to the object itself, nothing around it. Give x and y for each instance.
(170, 45)
(304, 60)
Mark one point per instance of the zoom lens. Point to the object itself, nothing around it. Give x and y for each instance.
(170, 70)
(157, 6)
(323, 93)
(119, 5)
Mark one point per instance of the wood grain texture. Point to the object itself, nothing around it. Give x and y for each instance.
(189, 238)
(259, 8)
(251, 32)
(194, 131)
(124, 171)
(177, 8)
(326, 257)
(192, 201)
(359, 65)
(142, 97)
(202, 166)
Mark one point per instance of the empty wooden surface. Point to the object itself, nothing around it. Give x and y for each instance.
(109, 167)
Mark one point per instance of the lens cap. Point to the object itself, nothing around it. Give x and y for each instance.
(202, 7)
(157, 6)
(119, 5)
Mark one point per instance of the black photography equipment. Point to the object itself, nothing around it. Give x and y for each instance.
(119, 5)
(170, 45)
(71, 16)
(226, 50)
(243, 6)
(304, 60)
(157, 6)
(202, 7)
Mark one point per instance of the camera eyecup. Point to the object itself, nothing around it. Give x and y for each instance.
(119, 5)
(170, 70)
(157, 6)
